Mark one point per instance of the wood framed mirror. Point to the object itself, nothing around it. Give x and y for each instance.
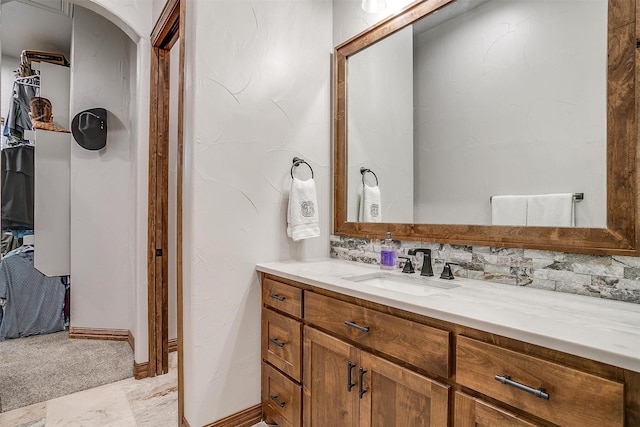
(619, 236)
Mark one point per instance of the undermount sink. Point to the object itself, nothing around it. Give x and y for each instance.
(413, 285)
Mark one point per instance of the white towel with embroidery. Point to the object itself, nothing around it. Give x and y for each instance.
(369, 204)
(551, 210)
(509, 210)
(302, 213)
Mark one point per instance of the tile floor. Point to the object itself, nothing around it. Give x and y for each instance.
(128, 403)
(151, 402)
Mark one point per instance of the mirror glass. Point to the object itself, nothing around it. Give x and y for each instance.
(482, 98)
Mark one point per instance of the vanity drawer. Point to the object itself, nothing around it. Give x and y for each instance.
(280, 296)
(281, 399)
(419, 345)
(282, 343)
(472, 412)
(575, 398)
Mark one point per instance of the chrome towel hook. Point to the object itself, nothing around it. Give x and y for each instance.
(363, 171)
(297, 162)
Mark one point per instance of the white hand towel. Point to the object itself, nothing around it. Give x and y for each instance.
(509, 210)
(302, 214)
(556, 210)
(371, 205)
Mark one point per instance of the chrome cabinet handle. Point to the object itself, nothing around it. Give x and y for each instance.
(274, 397)
(537, 392)
(355, 325)
(276, 342)
(350, 367)
(362, 390)
(278, 297)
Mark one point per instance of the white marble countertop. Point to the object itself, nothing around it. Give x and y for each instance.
(603, 330)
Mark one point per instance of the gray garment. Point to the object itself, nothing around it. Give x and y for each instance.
(9, 243)
(34, 301)
(18, 119)
(18, 187)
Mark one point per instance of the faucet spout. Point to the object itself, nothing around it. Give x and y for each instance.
(427, 268)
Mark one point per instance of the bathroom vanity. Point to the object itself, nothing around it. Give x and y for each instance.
(345, 345)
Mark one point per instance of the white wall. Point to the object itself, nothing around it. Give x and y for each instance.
(349, 19)
(156, 10)
(514, 103)
(134, 17)
(260, 100)
(8, 65)
(103, 190)
(380, 125)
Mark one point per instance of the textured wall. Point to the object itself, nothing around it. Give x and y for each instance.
(258, 91)
(103, 190)
(610, 277)
(134, 17)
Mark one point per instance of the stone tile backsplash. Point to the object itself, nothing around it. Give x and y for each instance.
(603, 276)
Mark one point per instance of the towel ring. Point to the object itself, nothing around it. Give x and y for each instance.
(363, 171)
(297, 162)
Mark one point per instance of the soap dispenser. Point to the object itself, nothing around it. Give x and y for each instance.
(388, 254)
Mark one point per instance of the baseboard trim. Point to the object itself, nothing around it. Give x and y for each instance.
(100, 334)
(173, 345)
(245, 418)
(140, 370)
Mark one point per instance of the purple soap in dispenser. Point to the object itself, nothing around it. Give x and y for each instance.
(388, 254)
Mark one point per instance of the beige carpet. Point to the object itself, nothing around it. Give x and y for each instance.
(43, 367)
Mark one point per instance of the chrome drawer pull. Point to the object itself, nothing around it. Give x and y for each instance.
(278, 297)
(358, 327)
(350, 367)
(276, 342)
(537, 392)
(274, 397)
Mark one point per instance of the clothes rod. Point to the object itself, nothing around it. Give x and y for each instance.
(576, 197)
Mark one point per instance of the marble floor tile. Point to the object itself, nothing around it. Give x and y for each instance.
(101, 406)
(29, 416)
(154, 403)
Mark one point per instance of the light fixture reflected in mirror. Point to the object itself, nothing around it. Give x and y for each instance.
(373, 6)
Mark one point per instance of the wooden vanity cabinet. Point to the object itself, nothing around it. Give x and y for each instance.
(334, 360)
(351, 387)
(332, 382)
(281, 353)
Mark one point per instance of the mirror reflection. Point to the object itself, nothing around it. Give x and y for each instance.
(478, 101)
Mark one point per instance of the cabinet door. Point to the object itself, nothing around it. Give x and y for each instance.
(330, 381)
(398, 397)
(472, 412)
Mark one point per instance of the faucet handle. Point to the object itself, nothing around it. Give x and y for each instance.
(446, 271)
(408, 266)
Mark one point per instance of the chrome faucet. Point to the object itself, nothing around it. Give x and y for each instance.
(427, 269)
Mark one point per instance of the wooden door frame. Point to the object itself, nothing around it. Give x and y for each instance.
(168, 30)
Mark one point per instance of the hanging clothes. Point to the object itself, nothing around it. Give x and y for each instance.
(18, 119)
(18, 187)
